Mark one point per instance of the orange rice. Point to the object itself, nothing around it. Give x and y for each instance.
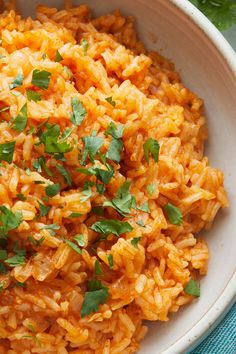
(147, 279)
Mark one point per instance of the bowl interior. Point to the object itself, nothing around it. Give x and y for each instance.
(164, 27)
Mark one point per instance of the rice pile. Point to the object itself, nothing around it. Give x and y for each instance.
(103, 185)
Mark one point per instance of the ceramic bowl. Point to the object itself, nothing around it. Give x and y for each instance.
(207, 65)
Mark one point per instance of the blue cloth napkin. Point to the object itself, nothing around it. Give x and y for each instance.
(223, 339)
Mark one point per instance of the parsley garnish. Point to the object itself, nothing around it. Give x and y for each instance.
(151, 188)
(50, 138)
(20, 121)
(221, 12)
(33, 96)
(116, 131)
(79, 112)
(85, 45)
(151, 146)
(111, 226)
(73, 246)
(18, 81)
(96, 295)
(65, 174)
(91, 146)
(7, 151)
(87, 191)
(44, 210)
(9, 220)
(52, 189)
(97, 268)
(192, 288)
(144, 207)
(41, 164)
(174, 214)
(18, 258)
(58, 57)
(110, 260)
(124, 201)
(21, 197)
(116, 146)
(109, 100)
(75, 215)
(102, 175)
(79, 240)
(135, 241)
(35, 242)
(41, 78)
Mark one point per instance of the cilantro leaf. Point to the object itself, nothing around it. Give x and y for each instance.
(20, 121)
(41, 78)
(174, 214)
(85, 45)
(123, 201)
(110, 100)
(116, 131)
(222, 13)
(91, 146)
(75, 215)
(33, 96)
(97, 268)
(144, 207)
(65, 174)
(102, 175)
(3, 255)
(98, 210)
(79, 239)
(110, 260)
(21, 196)
(135, 241)
(58, 57)
(115, 149)
(52, 189)
(79, 112)
(151, 188)
(9, 220)
(151, 146)
(40, 164)
(111, 226)
(7, 151)
(52, 146)
(18, 81)
(14, 261)
(96, 295)
(140, 223)
(87, 192)
(3, 270)
(192, 288)
(73, 246)
(44, 210)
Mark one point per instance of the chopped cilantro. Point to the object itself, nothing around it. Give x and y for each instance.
(52, 189)
(192, 288)
(20, 121)
(51, 228)
(91, 146)
(97, 268)
(116, 131)
(102, 175)
(58, 57)
(20, 285)
(9, 220)
(75, 215)
(96, 295)
(21, 196)
(85, 45)
(33, 96)
(174, 214)
(100, 188)
(17, 259)
(135, 241)
(79, 239)
(73, 246)
(151, 188)
(98, 210)
(109, 100)
(40, 164)
(18, 81)
(87, 192)
(115, 149)
(111, 226)
(65, 174)
(124, 201)
(140, 223)
(3, 255)
(35, 242)
(7, 151)
(41, 78)
(3, 270)
(79, 112)
(151, 146)
(144, 207)
(110, 260)
(44, 210)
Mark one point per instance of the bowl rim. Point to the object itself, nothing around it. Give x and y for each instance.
(221, 306)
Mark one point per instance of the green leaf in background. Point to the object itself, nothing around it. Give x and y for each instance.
(222, 13)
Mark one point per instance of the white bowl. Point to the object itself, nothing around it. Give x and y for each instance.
(208, 66)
